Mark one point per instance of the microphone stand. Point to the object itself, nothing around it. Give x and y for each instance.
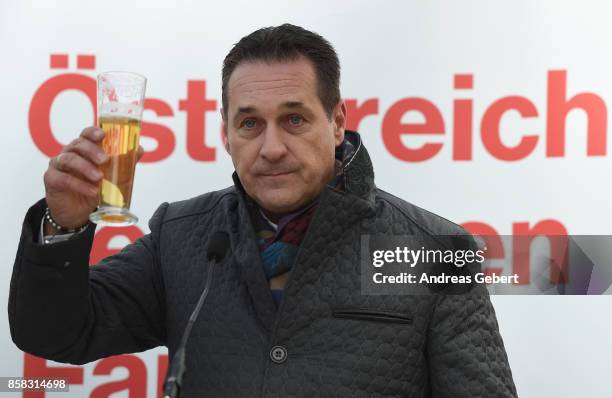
(176, 371)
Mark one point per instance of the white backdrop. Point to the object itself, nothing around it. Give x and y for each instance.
(389, 51)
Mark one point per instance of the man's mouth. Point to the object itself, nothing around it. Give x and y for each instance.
(276, 174)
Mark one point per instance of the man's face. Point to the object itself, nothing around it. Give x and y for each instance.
(279, 137)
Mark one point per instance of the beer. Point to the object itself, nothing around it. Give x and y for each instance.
(121, 145)
(120, 107)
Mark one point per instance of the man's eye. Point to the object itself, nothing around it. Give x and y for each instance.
(296, 120)
(249, 123)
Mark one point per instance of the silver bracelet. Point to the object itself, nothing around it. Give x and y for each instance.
(59, 227)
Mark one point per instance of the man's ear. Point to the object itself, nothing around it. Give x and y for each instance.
(224, 135)
(339, 121)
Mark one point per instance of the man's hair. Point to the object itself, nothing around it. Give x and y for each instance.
(287, 43)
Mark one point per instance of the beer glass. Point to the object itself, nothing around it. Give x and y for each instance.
(120, 106)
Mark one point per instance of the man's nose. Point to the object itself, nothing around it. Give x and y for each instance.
(273, 147)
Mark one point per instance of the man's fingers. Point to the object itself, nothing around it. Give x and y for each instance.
(72, 163)
(93, 133)
(59, 180)
(139, 153)
(87, 149)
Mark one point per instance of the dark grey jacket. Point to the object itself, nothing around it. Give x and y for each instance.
(333, 341)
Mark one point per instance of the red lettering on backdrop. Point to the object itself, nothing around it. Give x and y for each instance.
(195, 106)
(559, 107)
(58, 61)
(493, 243)
(100, 248)
(163, 135)
(463, 81)
(39, 114)
(393, 129)
(490, 128)
(462, 120)
(37, 367)
(523, 235)
(135, 383)
(162, 369)
(86, 61)
(356, 113)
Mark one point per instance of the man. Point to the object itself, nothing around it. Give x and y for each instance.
(285, 316)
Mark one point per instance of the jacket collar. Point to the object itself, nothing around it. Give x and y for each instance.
(358, 170)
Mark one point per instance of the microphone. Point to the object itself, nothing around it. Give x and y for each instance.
(217, 247)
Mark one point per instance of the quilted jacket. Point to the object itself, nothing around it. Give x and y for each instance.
(326, 339)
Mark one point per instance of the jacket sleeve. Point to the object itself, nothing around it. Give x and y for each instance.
(465, 350)
(62, 309)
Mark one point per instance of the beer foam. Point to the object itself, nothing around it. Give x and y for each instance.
(119, 109)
